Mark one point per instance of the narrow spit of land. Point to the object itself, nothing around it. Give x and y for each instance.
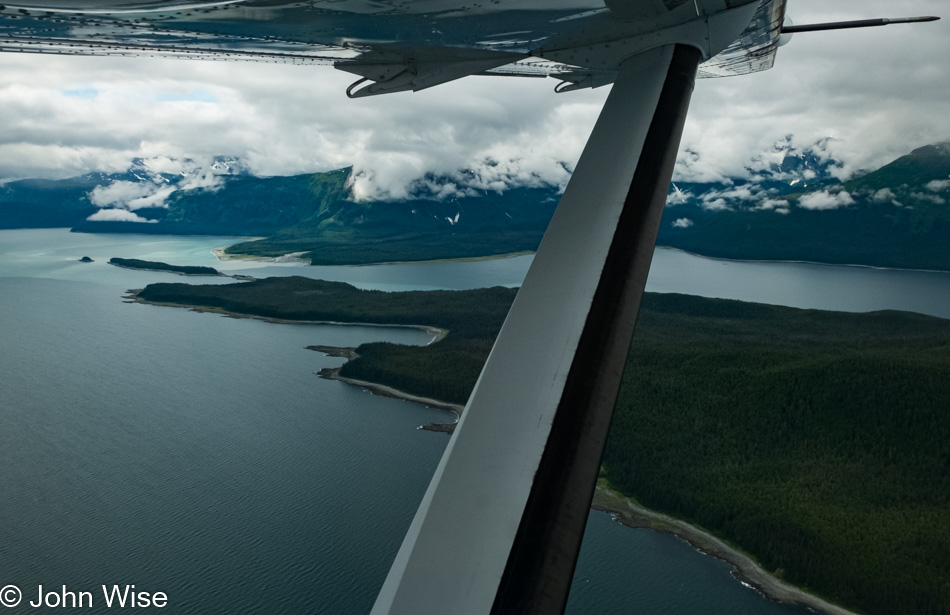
(134, 263)
(814, 440)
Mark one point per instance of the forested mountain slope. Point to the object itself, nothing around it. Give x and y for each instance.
(787, 204)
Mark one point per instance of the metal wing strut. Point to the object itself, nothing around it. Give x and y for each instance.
(500, 526)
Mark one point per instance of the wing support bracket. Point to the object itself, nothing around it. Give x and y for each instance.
(387, 74)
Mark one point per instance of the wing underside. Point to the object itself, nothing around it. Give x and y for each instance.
(392, 47)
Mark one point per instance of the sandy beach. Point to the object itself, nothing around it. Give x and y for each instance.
(293, 257)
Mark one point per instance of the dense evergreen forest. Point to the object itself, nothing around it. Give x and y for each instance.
(817, 441)
(134, 263)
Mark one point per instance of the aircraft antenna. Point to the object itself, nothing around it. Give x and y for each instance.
(861, 23)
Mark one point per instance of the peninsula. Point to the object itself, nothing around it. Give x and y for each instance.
(813, 440)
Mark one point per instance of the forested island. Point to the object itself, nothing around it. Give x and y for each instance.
(814, 440)
(134, 263)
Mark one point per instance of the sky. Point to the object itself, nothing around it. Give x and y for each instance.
(877, 93)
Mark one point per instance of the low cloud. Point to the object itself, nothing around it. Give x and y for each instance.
(938, 185)
(884, 195)
(158, 179)
(155, 199)
(825, 200)
(682, 223)
(715, 205)
(117, 215)
(207, 180)
(772, 205)
(730, 198)
(929, 198)
(130, 195)
(741, 193)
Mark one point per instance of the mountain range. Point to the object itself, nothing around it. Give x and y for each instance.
(797, 209)
(788, 204)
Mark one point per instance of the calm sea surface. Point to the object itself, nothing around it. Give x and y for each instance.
(200, 456)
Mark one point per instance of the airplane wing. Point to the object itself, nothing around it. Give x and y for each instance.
(393, 45)
(500, 526)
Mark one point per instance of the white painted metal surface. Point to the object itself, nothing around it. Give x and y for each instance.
(456, 550)
(419, 44)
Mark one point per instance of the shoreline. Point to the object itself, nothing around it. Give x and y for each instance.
(348, 353)
(744, 569)
(294, 257)
(190, 275)
(290, 257)
(797, 262)
(459, 259)
(623, 509)
(131, 296)
(333, 373)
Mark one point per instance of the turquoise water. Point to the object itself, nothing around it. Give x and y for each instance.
(200, 456)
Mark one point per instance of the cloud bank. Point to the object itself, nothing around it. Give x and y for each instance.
(879, 93)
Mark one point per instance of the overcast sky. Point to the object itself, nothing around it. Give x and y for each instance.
(878, 92)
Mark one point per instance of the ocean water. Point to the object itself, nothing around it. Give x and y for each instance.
(191, 453)
(199, 455)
